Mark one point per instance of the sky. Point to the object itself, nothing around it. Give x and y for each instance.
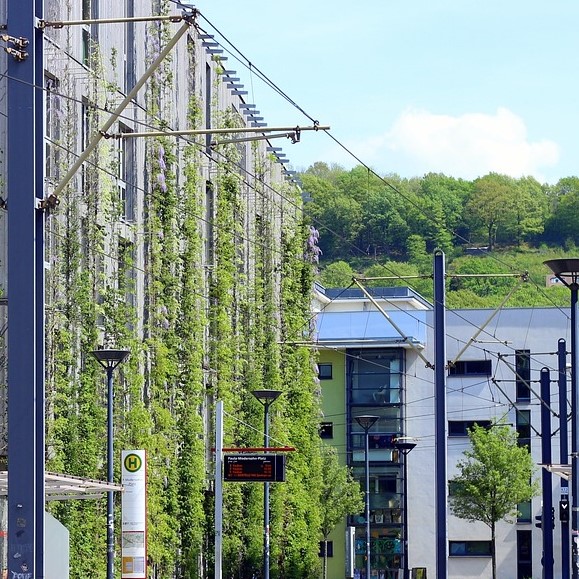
(460, 87)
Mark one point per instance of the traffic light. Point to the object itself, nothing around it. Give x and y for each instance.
(564, 510)
(539, 519)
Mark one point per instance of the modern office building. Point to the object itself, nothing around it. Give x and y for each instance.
(376, 358)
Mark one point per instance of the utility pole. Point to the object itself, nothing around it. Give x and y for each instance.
(564, 458)
(24, 160)
(547, 521)
(440, 428)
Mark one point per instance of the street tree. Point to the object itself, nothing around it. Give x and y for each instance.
(341, 496)
(495, 475)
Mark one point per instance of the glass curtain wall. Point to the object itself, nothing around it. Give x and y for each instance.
(375, 386)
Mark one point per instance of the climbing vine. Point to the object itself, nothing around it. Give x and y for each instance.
(209, 289)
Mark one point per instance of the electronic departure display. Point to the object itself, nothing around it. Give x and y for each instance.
(254, 467)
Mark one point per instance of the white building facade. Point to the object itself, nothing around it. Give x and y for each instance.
(380, 363)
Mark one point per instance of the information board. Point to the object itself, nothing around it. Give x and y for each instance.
(134, 515)
(254, 467)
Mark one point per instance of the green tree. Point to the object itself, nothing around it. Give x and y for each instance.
(337, 274)
(340, 496)
(495, 475)
(491, 205)
(529, 211)
(563, 224)
(338, 217)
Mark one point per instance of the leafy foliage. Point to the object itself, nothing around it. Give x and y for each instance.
(401, 221)
(495, 475)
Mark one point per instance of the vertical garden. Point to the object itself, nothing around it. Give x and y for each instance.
(206, 277)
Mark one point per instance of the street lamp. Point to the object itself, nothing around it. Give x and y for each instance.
(267, 398)
(404, 445)
(366, 421)
(109, 360)
(567, 272)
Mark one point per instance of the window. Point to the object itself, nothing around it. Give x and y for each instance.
(85, 134)
(325, 371)
(524, 428)
(209, 211)
(374, 377)
(86, 47)
(524, 510)
(126, 274)
(126, 176)
(470, 367)
(524, 554)
(469, 548)
(461, 427)
(327, 430)
(208, 101)
(329, 551)
(523, 374)
(53, 114)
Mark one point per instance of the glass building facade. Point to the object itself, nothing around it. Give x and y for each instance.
(374, 385)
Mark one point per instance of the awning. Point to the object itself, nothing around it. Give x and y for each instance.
(64, 487)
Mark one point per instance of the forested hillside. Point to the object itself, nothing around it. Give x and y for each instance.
(388, 227)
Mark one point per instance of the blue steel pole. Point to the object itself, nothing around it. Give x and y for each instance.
(110, 477)
(563, 452)
(266, 499)
(25, 304)
(574, 435)
(440, 405)
(547, 477)
(406, 570)
(40, 289)
(367, 502)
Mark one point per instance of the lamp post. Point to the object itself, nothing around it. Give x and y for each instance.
(267, 398)
(567, 271)
(366, 421)
(109, 360)
(404, 445)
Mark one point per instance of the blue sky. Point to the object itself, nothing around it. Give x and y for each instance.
(461, 87)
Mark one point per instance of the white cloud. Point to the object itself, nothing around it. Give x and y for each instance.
(467, 146)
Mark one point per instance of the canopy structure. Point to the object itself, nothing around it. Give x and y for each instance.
(64, 487)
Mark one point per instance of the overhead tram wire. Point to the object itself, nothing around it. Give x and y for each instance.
(189, 141)
(246, 62)
(274, 87)
(279, 91)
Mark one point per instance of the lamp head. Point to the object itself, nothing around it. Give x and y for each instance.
(266, 397)
(564, 269)
(366, 421)
(404, 443)
(109, 358)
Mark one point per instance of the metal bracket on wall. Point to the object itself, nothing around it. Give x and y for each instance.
(20, 44)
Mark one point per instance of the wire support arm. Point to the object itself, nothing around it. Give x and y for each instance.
(43, 24)
(226, 131)
(117, 112)
(480, 330)
(394, 325)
